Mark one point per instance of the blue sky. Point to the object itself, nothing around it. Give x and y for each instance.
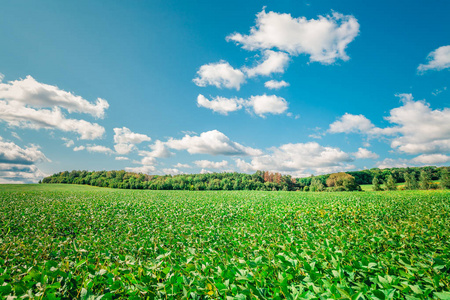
(169, 87)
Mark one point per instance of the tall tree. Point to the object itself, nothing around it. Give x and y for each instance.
(408, 185)
(424, 180)
(390, 183)
(376, 183)
(445, 179)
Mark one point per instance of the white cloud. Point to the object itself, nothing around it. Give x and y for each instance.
(220, 104)
(126, 140)
(18, 115)
(416, 127)
(126, 136)
(324, 39)
(160, 150)
(265, 104)
(438, 59)
(30, 92)
(275, 85)
(17, 173)
(68, 142)
(392, 163)
(431, 159)
(220, 74)
(352, 123)
(1, 77)
(142, 169)
(207, 164)
(298, 158)
(180, 165)
(211, 142)
(420, 128)
(79, 148)
(171, 171)
(260, 105)
(204, 171)
(121, 158)
(99, 149)
(17, 163)
(13, 154)
(273, 62)
(124, 148)
(363, 153)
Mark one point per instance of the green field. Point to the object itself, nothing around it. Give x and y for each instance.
(69, 242)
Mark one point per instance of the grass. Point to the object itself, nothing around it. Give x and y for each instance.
(67, 242)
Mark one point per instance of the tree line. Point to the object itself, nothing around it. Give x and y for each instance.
(414, 178)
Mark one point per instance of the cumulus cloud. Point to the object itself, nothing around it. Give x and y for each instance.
(324, 39)
(275, 85)
(273, 62)
(211, 142)
(431, 159)
(416, 127)
(79, 148)
(207, 164)
(392, 163)
(27, 103)
(220, 74)
(17, 163)
(220, 104)
(99, 149)
(125, 140)
(363, 153)
(352, 123)
(300, 158)
(260, 105)
(30, 92)
(420, 128)
(146, 169)
(121, 158)
(438, 59)
(160, 150)
(18, 174)
(13, 154)
(171, 171)
(180, 165)
(266, 104)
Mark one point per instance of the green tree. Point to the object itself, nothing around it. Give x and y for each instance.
(414, 183)
(316, 185)
(408, 185)
(445, 179)
(390, 183)
(376, 183)
(424, 180)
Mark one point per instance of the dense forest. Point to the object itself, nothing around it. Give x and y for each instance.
(413, 178)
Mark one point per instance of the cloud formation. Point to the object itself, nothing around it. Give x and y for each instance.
(211, 142)
(220, 74)
(17, 164)
(416, 127)
(26, 103)
(273, 62)
(260, 105)
(438, 59)
(275, 85)
(207, 164)
(13, 154)
(324, 39)
(300, 158)
(125, 140)
(364, 153)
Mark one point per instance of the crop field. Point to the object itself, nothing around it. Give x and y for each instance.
(95, 243)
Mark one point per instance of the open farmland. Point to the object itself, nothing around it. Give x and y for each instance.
(92, 242)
